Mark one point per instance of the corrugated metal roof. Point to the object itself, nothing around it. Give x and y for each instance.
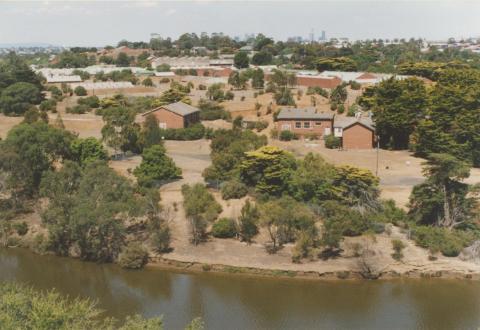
(307, 113)
(179, 108)
(345, 122)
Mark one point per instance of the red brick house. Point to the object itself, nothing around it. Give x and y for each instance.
(318, 81)
(356, 133)
(175, 115)
(305, 122)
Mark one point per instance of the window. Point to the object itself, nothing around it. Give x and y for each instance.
(318, 123)
(306, 124)
(298, 124)
(286, 127)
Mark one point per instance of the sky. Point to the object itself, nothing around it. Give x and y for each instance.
(99, 23)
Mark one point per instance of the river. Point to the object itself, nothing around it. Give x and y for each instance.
(226, 301)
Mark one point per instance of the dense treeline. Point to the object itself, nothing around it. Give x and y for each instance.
(403, 56)
(20, 87)
(293, 196)
(439, 118)
(88, 210)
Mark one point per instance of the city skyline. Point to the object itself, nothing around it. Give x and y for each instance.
(86, 23)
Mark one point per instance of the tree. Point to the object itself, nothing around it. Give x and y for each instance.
(120, 131)
(262, 58)
(133, 256)
(237, 80)
(211, 110)
(284, 96)
(397, 106)
(336, 64)
(88, 208)
(80, 91)
(268, 169)
(284, 218)
(356, 187)
(443, 199)
(248, 221)
(147, 82)
(151, 133)
(312, 181)
(87, 150)
(163, 68)
(241, 60)
(156, 167)
(201, 208)
(13, 69)
(215, 92)
(28, 152)
(339, 94)
(228, 150)
(18, 98)
(122, 60)
(258, 78)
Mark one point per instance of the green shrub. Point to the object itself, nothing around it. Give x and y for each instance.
(80, 91)
(194, 132)
(78, 109)
(161, 238)
(333, 106)
(202, 87)
(341, 109)
(317, 90)
(355, 85)
(90, 101)
(48, 105)
(261, 125)
(449, 242)
(287, 136)
(164, 81)
(230, 96)
(133, 256)
(21, 228)
(332, 142)
(398, 247)
(224, 228)
(233, 189)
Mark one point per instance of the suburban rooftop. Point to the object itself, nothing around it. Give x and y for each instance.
(305, 113)
(179, 108)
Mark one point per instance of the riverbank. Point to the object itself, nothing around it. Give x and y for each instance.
(414, 273)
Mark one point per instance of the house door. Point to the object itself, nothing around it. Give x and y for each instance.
(328, 131)
(163, 125)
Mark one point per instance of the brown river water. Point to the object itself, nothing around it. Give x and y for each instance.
(227, 301)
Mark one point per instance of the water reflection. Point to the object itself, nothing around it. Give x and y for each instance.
(241, 302)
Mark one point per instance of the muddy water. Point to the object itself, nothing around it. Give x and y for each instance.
(242, 302)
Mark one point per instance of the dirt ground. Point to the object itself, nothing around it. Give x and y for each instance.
(193, 157)
(399, 171)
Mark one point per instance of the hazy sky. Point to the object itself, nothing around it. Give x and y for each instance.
(106, 22)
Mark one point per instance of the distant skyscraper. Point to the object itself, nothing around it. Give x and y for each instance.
(324, 36)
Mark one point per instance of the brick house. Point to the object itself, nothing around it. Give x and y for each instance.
(355, 132)
(305, 121)
(175, 115)
(318, 81)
